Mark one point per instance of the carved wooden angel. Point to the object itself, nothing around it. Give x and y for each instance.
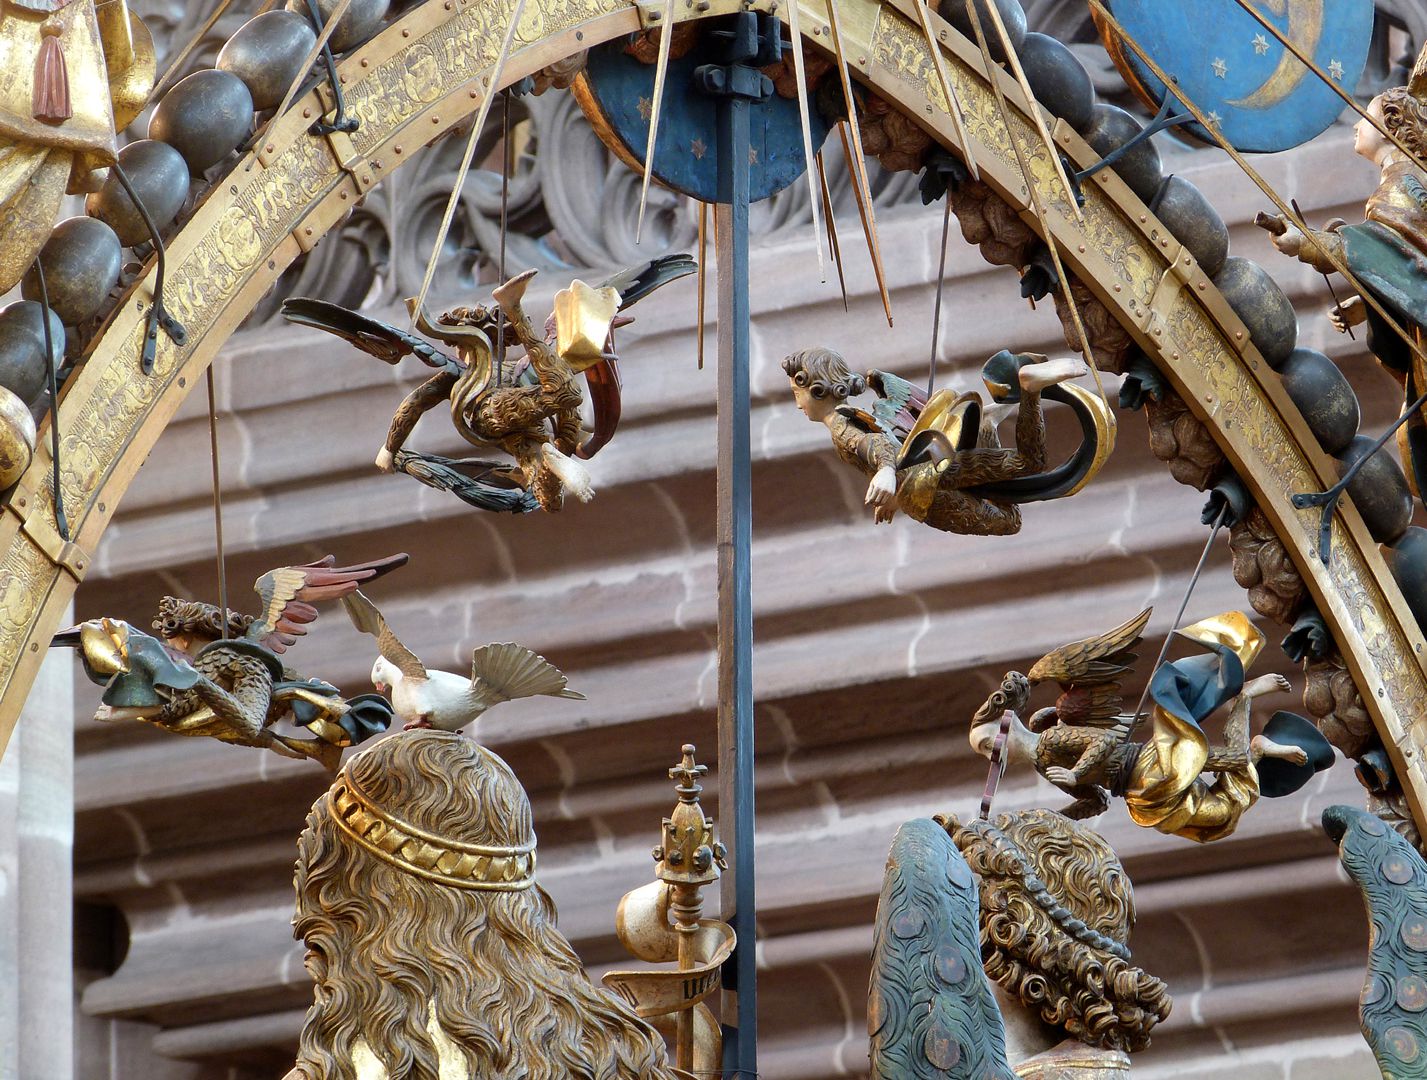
(207, 675)
(1387, 252)
(528, 407)
(1082, 743)
(939, 460)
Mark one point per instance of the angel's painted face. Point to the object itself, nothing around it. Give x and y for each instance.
(813, 407)
(983, 738)
(1369, 141)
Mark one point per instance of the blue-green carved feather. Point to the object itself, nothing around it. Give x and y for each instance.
(931, 1013)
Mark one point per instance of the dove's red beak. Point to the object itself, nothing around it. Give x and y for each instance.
(381, 687)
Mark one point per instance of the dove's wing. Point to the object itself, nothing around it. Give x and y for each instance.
(502, 672)
(367, 617)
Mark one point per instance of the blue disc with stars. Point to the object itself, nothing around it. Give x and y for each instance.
(616, 92)
(1261, 97)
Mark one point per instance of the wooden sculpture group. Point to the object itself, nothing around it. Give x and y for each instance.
(980, 921)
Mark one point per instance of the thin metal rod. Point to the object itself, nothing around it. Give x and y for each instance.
(953, 103)
(217, 504)
(1248, 170)
(1164, 119)
(340, 120)
(176, 64)
(1348, 98)
(703, 274)
(1032, 106)
(306, 66)
(734, 538)
(1327, 280)
(832, 243)
(492, 88)
(1328, 499)
(855, 159)
(158, 316)
(993, 76)
(1178, 615)
(869, 224)
(505, 166)
(940, 286)
(61, 522)
(800, 76)
(661, 72)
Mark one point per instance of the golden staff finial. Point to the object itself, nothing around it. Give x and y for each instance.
(688, 859)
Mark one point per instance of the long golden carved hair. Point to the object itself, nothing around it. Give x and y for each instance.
(1056, 913)
(386, 945)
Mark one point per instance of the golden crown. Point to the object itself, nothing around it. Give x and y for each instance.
(436, 858)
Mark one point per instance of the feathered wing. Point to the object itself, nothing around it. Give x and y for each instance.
(1089, 673)
(505, 671)
(899, 403)
(636, 282)
(367, 618)
(931, 1012)
(382, 340)
(289, 593)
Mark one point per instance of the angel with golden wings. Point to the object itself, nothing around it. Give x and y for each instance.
(217, 673)
(1177, 782)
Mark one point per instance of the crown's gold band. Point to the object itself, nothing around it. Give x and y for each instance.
(436, 858)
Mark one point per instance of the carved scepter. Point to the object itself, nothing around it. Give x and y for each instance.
(688, 859)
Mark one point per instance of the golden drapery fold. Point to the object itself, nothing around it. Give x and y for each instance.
(1166, 790)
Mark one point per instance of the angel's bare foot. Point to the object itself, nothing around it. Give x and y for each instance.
(1264, 747)
(1266, 684)
(1035, 377)
(1061, 776)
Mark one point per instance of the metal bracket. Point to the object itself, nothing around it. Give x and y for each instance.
(1172, 282)
(37, 522)
(351, 161)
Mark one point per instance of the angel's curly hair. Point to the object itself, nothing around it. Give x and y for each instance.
(825, 373)
(1405, 116)
(177, 616)
(1056, 913)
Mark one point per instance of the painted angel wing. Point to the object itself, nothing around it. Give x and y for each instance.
(367, 618)
(288, 593)
(899, 403)
(385, 342)
(931, 1013)
(1089, 673)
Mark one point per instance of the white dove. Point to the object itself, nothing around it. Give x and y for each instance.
(441, 699)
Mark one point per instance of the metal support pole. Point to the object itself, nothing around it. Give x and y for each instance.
(737, 87)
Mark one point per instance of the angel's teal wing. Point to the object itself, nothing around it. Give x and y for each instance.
(930, 1012)
(898, 404)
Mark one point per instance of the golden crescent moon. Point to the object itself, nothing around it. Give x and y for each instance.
(1305, 27)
